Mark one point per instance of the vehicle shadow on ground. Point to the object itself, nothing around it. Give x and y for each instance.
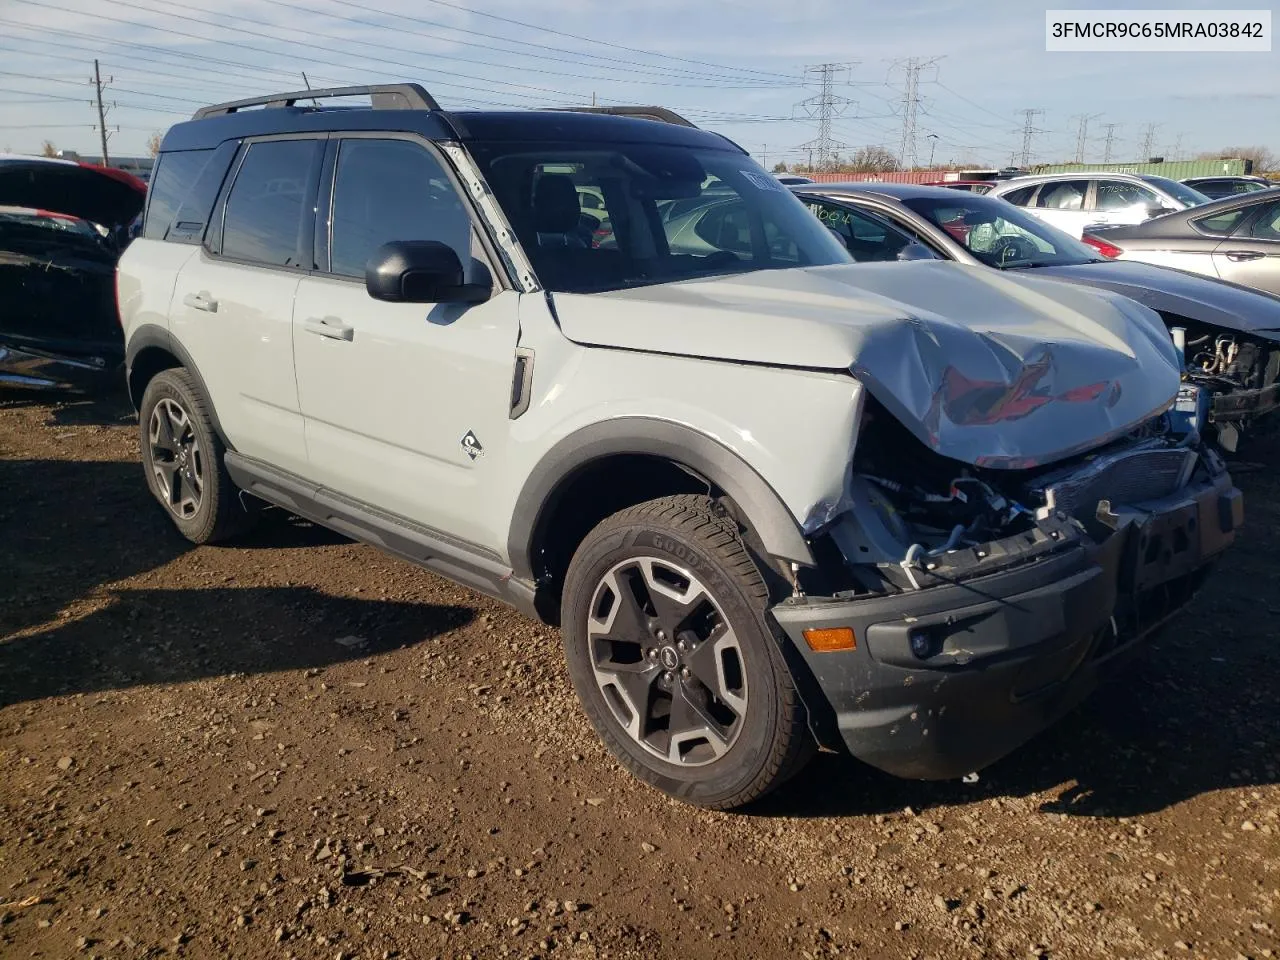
(143, 637)
(67, 527)
(108, 409)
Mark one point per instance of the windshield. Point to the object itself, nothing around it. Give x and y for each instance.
(1000, 234)
(1179, 191)
(608, 216)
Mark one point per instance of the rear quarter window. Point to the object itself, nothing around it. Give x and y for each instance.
(174, 176)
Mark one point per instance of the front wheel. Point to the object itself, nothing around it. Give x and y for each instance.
(673, 658)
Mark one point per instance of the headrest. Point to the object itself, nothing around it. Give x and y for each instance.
(555, 204)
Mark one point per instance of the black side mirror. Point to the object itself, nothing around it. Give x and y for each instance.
(1158, 210)
(420, 271)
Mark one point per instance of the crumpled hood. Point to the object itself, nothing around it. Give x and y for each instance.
(984, 367)
(1189, 295)
(97, 194)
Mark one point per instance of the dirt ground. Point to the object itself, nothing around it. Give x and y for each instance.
(298, 747)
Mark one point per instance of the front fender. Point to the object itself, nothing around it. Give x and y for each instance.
(777, 529)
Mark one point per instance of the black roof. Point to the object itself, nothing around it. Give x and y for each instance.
(898, 191)
(466, 125)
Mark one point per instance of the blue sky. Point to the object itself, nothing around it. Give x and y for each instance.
(736, 66)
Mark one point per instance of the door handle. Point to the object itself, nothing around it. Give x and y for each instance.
(1240, 256)
(200, 301)
(330, 327)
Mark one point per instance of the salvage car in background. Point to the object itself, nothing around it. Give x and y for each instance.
(1231, 335)
(1216, 188)
(63, 226)
(1073, 202)
(1236, 239)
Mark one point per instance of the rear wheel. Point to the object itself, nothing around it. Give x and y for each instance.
(671, 652)
(182, 457)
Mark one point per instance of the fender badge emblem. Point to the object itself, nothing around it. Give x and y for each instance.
(472, 446)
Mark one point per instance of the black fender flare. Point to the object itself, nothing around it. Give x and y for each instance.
(779, 534)
(152, 335)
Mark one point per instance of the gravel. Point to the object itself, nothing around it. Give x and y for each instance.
(195, 767)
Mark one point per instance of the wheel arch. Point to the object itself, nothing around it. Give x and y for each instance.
(671, 451)
(152, 349)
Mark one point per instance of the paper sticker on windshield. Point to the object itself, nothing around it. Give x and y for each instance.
(762, 181)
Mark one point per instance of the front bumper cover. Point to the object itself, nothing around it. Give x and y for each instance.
(1010, 652)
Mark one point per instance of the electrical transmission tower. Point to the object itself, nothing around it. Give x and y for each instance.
(1029, 131)
(824, 106)
(1110, 139)
(1082, 133)
(1149, 140)
(911, 69)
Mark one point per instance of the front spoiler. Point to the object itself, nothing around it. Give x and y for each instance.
(1012, 651)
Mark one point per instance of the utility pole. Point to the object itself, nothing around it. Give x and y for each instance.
(102, 111)
(911, 69)
(1111, 136)
(1177, 147)
(764, 155)
(1082, 134)
(1148, 140)
(823, 107)
(1029, 130)
(933, 146)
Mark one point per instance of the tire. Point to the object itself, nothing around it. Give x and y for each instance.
(184, 467)
(671, 652)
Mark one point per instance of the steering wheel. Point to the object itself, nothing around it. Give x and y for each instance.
(1011, 248)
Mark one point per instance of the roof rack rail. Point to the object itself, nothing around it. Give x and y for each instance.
(660, 114)
(384, 96)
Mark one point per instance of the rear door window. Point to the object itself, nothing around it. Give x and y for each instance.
(1220, 224)
(1121, 194)
(1063, 195)
(270, 204)
(1266, 225)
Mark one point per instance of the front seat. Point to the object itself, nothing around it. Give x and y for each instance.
(556, 212)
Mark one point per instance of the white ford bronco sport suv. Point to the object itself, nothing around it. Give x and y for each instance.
(772, 497)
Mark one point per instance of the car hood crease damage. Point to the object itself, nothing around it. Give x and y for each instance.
(1044, 371)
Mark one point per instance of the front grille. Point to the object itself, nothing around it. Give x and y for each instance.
(1123, 478)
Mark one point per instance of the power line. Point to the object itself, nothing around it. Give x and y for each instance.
(911, 69)
(1029, 131)
(605, 43)
(1082, 133)
(327, 60)
(1110, 139)
(823, 106)
(436, 55)
(1149, 139)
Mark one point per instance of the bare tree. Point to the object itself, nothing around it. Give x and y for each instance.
(153, 143)
(47, 149)
(871, 159)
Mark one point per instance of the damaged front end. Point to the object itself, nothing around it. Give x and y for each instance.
(981, 603)
(1232, 379)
